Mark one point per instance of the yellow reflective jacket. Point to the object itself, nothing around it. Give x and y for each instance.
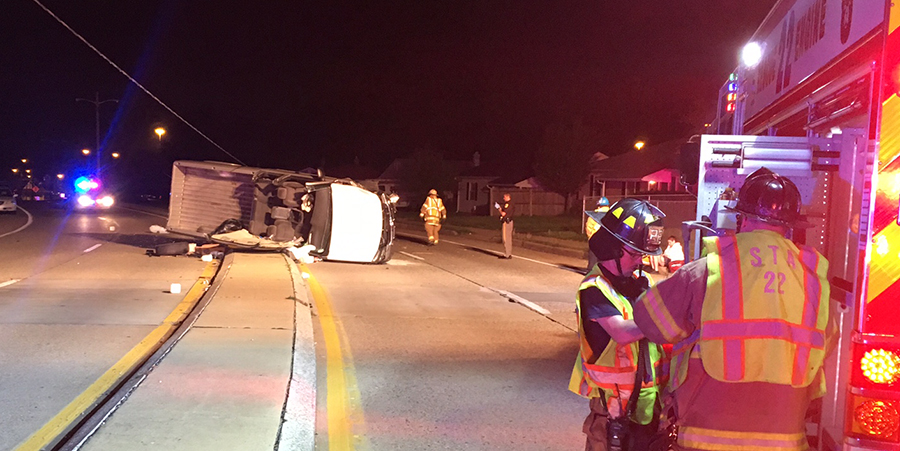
(433, 210)
(765, 311)
(612, 374)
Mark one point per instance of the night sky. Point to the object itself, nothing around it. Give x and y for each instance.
(295, 84)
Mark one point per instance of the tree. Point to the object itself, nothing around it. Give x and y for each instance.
(427, 169)
(562, 162)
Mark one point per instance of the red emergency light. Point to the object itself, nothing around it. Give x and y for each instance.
(873, 406)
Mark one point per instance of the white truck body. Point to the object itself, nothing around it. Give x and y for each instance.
(280, 209)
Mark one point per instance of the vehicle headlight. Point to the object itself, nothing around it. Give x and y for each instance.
(394, 198)
(85, 200)
(105, 201)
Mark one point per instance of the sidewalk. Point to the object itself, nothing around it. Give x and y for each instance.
(225, 385)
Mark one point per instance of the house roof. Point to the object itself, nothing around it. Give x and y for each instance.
(397, 167)
(353, 171)
(481, 171)
(638, 164)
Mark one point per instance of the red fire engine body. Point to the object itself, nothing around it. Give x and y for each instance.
(821, 105)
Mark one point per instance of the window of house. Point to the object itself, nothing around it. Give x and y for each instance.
(472, 191)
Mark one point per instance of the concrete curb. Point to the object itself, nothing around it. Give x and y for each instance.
(299, 419)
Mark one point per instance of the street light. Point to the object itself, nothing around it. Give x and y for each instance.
(28, 171)
(60, 176)
(86, 151)
(160, 132)
(24, 160)
(115, 154)
(15, 171)
(97, 104)
(639, 145)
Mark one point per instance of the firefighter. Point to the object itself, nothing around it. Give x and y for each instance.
(591, 226)
(608, 361)
(750, 323)
(433, 212)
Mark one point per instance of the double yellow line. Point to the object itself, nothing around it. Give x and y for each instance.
(89, 398)
(346, 424)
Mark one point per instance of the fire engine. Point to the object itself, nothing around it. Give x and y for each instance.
(816, 98)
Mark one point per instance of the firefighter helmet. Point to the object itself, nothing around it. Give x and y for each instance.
(432, 192)
(635, 223)
(770, 198)
(603, 204)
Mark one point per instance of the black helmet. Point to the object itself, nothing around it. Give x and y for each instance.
(771, 198)
(636, 223)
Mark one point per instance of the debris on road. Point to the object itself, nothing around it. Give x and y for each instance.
(301, 254)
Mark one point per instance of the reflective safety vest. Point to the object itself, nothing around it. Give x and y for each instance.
(765, 311)
(433, 210)
(612, 374)
(590, 226)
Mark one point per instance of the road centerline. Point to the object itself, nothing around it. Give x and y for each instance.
(345, 415)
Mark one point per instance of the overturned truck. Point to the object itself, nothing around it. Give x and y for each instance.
(272, 209)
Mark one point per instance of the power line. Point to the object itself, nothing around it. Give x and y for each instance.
(98, 52)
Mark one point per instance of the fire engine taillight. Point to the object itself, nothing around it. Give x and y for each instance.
(875, 418)
(880, 366)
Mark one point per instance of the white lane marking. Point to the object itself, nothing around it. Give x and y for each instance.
(27, 223)
(517, 256)
(524, 302)
(94, 247)
(8, 282)
(412, 256)
(455, 242)
(144, 212)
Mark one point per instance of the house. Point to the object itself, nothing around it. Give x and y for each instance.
(483, 185)
(473, 194)
(651, 170)
(527, 194)
(391, 181)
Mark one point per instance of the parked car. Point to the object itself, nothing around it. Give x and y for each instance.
(256, 208)
(7, 200)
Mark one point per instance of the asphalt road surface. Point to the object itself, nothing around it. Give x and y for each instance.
(445, 347)
(442, 360)
(77, 294)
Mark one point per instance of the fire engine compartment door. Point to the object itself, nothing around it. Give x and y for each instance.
(726, 160)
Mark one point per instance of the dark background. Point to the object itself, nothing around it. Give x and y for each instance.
(296, 84)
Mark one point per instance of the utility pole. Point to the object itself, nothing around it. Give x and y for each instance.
(97, 104)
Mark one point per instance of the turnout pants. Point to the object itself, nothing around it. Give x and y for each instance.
(432, 231)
